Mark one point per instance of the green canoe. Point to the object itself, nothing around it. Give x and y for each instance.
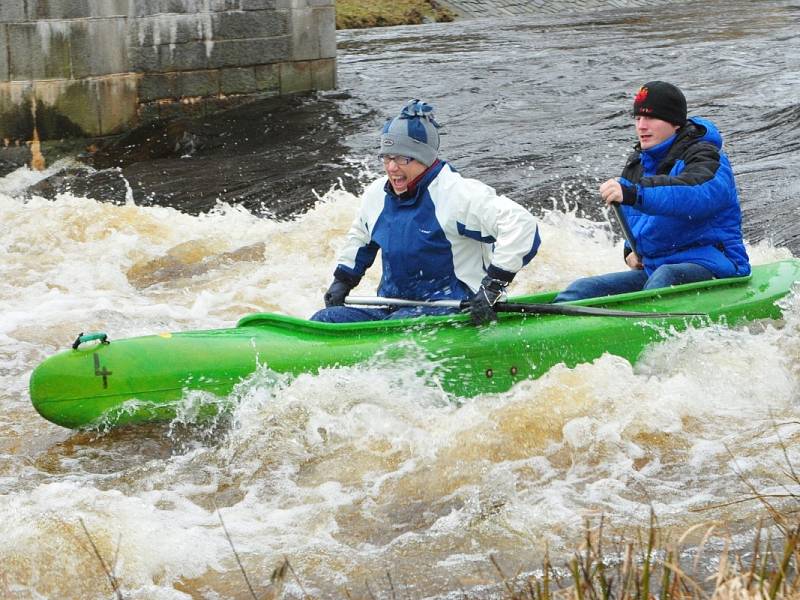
(145, 378)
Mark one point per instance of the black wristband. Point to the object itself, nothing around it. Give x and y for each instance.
(501, 274)
(628, 194)
(342, 275)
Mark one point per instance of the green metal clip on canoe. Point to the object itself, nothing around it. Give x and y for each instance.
(145, 378)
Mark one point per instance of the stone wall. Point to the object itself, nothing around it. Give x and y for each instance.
(85, 68)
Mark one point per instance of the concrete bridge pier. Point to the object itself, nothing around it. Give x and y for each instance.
(91, 68)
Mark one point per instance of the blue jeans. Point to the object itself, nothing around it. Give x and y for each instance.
(633, 281)
(352, 314)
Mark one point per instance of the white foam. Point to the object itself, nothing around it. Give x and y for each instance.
(350, 469)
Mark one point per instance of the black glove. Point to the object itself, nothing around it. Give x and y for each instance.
(337, 293)
(481, 305)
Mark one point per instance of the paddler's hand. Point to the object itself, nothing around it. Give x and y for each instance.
(633, 261)
(336, 293)
(612, 191)
(481, 305)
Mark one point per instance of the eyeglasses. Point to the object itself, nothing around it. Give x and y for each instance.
(400, 161)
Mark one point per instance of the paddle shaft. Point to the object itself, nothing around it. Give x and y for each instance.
(399, 302)
(623, 223)
(517, 307)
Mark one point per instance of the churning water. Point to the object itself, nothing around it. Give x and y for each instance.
(358, 475)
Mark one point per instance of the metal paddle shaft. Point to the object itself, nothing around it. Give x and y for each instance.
(520, 307)
(399, 302)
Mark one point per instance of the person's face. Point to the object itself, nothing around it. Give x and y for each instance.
(651, 131)
(401, 171)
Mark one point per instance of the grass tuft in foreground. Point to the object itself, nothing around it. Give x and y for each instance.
(656, 569)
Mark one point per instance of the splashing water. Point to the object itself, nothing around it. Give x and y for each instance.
(354, 473)
(354, 469)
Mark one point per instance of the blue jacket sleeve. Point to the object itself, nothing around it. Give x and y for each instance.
(698, 186)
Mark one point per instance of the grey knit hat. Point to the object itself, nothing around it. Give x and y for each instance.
(412, 133)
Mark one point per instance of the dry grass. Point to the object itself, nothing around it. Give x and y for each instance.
(108, 569)
(655, 569)
(353, 14)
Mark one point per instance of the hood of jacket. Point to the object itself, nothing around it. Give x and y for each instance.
(701, 130)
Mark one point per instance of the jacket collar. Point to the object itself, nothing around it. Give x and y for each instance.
(653, 156)
(416, 187)
(660, 158)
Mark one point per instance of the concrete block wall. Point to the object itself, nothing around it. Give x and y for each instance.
(98, 67)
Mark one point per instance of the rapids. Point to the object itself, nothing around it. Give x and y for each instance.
(371, 481)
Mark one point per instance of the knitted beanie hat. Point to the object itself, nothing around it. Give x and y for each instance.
(412, 133)
(660, 100)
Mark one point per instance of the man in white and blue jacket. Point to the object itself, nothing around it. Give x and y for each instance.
(678, 195)
(441, 236)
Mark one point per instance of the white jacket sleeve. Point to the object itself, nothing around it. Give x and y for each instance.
(358, 251)
(497, 220)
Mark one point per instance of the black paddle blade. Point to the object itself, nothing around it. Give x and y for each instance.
(568, 309)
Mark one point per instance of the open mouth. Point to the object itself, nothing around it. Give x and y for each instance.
(399, 183)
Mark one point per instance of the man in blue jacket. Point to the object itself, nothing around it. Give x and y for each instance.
(441, 235)
(678, 195)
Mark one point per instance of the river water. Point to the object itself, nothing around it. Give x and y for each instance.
(368, 480)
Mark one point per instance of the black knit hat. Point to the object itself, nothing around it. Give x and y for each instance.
(660, 100)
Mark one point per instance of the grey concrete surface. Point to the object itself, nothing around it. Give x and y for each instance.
(98, 67)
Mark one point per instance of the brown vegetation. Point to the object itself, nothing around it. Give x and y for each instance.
(353, 14)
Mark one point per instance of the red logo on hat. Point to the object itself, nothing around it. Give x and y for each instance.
(641, 95)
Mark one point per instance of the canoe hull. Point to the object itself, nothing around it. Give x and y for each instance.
(149, 378)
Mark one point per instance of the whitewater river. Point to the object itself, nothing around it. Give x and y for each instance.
(371, 481)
